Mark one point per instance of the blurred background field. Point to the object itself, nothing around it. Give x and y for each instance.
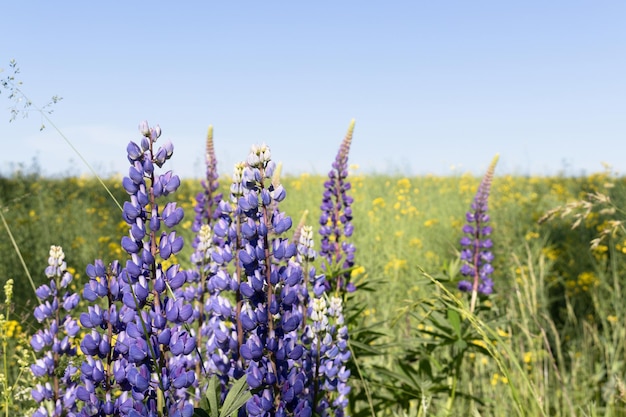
(557, 311)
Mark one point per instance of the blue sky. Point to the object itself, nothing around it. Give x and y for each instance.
(432, 85)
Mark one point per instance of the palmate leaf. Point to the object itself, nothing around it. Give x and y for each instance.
(436, 319)
(412, 382)
(213, 396)
(365, 349)
(455, 322)
(238, 395)
(210, 403)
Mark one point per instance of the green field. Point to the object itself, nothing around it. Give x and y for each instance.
(549, 341)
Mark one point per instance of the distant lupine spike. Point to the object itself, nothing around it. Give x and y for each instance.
(208, 209)
(336, 220)
(56, 392)
(476, 245)
(207, 201)
(217, 327)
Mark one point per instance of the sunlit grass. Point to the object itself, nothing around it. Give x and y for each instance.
(557, 314)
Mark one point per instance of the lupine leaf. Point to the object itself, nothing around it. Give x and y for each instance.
(238, 395)
(395, 376)
(212, 396)
(365, 348)
(455, 322)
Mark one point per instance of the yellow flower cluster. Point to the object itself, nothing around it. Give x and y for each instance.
(498, 379)
(582, 283)
(357, 272)
(404, 207)
(12, 329)
(395, 266)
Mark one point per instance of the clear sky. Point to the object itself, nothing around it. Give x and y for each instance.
(432, 84)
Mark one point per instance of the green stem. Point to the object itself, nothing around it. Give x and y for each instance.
(365, 386)
(17, 250)
(76, 151)
(455, 380)
(6, 361)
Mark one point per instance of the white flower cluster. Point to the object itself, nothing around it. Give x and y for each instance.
(56, 262)
(56, 256)
(259, 156)
(236, 189)
(319, 315)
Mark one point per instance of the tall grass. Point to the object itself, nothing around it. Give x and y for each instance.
(553, 329)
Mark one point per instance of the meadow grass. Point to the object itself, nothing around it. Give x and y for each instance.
(549, 341)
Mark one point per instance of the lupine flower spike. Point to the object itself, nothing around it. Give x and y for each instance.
(256, 338)
(56, 395)
(159, 343)
(208, 210)
(476, 245)
(144, 342)
(336, 221)
(208, 199)
(270, 287)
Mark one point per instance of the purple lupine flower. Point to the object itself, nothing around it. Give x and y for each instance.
(476, 244)
(257, 337)
(328, 338)
(336, 222)
(271, 281)
(59, 392)
(138, 344)
(212, 254)
(207, 201)
(151, 332)
(105, 347)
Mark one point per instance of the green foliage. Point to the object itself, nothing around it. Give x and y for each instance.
(236, 398)
(15, 381)
(564, 344)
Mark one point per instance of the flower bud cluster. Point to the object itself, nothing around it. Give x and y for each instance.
(8, 291)
(476, 245)
(56, 393)
(336, 220)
